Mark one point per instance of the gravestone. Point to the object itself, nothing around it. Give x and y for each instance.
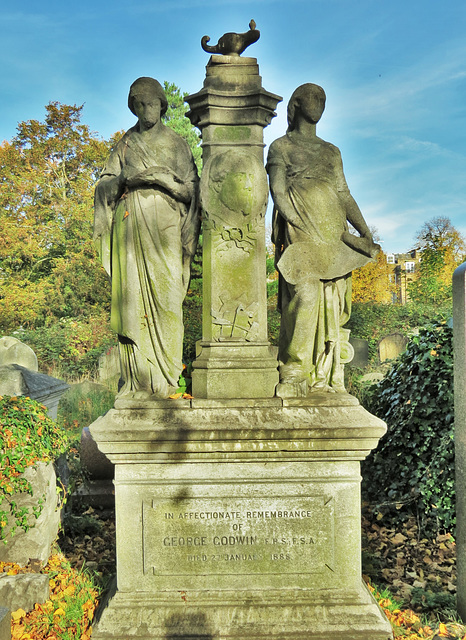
(391, 346)
(13, 351)
(109, 368)
(19, 376)
(361, 353)
(237, 512)
(459, 350)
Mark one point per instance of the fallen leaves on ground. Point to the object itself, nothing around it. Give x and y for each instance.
(68, 611)
(418, 572)
(406, 563)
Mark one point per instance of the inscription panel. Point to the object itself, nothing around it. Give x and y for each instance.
(238, 536)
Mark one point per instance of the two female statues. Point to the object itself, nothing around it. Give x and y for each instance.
(147, 225)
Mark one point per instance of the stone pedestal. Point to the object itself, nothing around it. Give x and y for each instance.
(239, 519)
(232, 110)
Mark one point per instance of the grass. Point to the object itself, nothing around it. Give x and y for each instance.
(82, 404)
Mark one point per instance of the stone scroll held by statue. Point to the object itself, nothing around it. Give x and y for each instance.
(146, 230)
(315, 251)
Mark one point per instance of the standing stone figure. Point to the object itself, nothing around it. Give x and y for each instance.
(315, 252)
(146, 229)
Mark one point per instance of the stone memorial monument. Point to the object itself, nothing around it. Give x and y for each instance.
(238, 511)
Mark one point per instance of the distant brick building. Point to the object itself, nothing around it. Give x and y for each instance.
(405, 269)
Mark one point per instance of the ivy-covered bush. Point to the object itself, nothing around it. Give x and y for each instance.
(27, 436)
(412, 470)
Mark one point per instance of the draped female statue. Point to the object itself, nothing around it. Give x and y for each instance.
(146, 229)
(315, 252)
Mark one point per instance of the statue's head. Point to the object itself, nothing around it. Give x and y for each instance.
(308, 100)
(147, 87)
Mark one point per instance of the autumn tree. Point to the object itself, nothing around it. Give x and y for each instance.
(371, 283)
(443, 249)
(48, 266)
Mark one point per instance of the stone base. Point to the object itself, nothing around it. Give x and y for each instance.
(251, 615)
(239, 518)
(235, 370)
(23, 590)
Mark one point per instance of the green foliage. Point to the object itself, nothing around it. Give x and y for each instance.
(28, 436)
(434, 601)
(373, 321)
(176, 120)
(270, 265)
(82, 404)
(192, 308)
(70, 347)
(412, 470)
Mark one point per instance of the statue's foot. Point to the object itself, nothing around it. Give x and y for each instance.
(296, 388)
(321, 387)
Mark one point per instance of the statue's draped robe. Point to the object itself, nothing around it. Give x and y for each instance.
(314, 263)
(146, 240)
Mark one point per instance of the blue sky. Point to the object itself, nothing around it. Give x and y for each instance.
(394, 73)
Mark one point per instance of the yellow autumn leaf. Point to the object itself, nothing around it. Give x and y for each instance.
(59, 612)
(443, 631)
(69, 591)
(17, 615)
(175, 396)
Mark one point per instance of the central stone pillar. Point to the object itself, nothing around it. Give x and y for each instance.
(235, 359)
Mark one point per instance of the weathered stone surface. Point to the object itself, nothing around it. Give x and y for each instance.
(95, 463)
(23, 590)
(459, 350)
(109, 368)
(232, 110)
(391, 346)
(5, 624)
(239, 518)
(37, 541)
(98, 490)
(13, 351)
(146, 229)
(233, 44)
(361, 353)
(315, 252)
(16, 380)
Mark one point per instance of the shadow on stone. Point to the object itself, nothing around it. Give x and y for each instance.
(187, 626)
